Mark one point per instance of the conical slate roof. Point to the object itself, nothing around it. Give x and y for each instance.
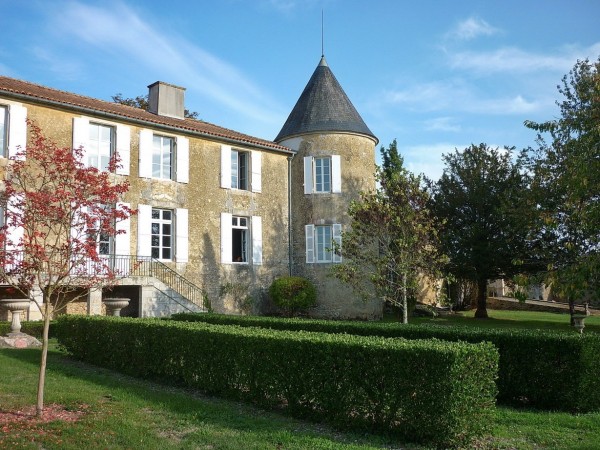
(323, 106)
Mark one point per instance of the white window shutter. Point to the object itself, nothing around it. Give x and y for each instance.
(144, 237)
(256, 240)
(183, 159)
(336, 174)
(309, 232)
(122, 240)
(123, 149)
(17, 128)
(308, 174)
(81, 134)
(226, 241)
(337, 238)
(256, 164)
(226, 167)
(145, 154)
(181, 235)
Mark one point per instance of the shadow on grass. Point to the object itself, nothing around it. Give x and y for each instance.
(494, 322)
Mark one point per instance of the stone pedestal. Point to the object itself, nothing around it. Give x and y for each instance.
(15, 338)
(115, 305)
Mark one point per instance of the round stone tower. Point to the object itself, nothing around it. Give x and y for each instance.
(335, 161)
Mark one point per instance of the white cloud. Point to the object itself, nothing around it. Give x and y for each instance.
(457, 96)
(515, 60)
(427, 158)
(127, 38)
(471, 28)
(58, 63)
(441, 124)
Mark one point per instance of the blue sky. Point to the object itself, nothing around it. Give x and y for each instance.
(435, 75)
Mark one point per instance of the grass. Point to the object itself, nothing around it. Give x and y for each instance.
(511, 319)
(126, 413)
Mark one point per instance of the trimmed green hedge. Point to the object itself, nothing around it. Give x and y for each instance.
(32, 328)
(435, 392)
(543, 369)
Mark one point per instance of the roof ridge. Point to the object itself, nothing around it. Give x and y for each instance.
(41, 92)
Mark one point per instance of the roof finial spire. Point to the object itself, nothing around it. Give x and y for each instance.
(322, 35)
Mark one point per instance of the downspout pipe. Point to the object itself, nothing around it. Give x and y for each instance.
(290, 233)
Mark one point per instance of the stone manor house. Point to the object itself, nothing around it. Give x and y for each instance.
(220, 213)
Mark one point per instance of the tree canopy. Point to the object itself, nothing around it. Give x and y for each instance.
(392, 242)
(56, 211)
(481, 206)
(566, 184)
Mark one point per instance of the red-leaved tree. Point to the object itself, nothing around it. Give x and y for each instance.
(56, 212)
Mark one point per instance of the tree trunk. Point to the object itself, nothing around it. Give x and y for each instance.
(42, 378)
(481, 312)
(404, 300)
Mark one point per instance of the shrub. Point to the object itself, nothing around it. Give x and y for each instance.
(433, 392)
(543, 369)
(32, 328)
(293, 294)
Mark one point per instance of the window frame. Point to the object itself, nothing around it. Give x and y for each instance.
(160, 154)
(241, 160)
(316, 246)
(323, 246)
(244, 231)
(320, 172)
(161, 235)
(90, 148)
(313, 170)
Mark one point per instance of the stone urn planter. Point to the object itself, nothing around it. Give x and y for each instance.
(578, 322)
(115, 305)
(16, 306)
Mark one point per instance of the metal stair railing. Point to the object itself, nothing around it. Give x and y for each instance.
(130, 265)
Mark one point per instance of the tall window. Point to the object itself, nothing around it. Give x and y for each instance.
(323, 243)
(239, 238)
(3, 130)
(101, 146)
(322, 174)
(162, 157)
(162, 234)
(239, 169)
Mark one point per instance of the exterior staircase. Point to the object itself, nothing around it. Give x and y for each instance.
(168, 282)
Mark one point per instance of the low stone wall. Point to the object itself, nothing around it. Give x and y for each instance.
(506, 303)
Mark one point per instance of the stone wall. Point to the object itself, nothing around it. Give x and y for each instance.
(335, 299)
(205, 201)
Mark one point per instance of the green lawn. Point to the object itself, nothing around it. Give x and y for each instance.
(511, 319)
(125, 413)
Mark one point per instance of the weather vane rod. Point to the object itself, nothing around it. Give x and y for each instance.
(322, 35)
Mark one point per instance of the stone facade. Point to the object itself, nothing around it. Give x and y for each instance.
(229, 240)
(357, 161)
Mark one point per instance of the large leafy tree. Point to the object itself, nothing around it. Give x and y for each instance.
(392, 242)
(482, 208)
(566, 169)
(56, 209)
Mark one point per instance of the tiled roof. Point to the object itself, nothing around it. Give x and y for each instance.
(35, 92)
(323, 106)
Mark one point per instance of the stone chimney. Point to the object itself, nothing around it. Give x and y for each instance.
(166, 100)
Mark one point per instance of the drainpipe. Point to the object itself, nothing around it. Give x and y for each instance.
(290, 246)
